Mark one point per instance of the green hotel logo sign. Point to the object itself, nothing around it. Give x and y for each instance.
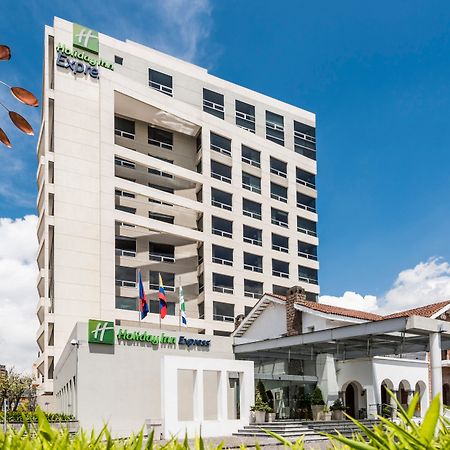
(85, 38)
(101, 332)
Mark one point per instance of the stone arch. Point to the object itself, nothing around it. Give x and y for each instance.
(355, 399)
(404, 387)
(420, 388)
(384, 396)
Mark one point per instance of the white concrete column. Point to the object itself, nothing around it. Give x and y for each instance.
(222, 398)
(198, 396)
(436, 365)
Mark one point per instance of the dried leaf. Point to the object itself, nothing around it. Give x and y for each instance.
(21, 123)
(24, 96)
(4, 139)
(5, 52)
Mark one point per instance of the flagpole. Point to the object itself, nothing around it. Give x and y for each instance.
(139, 301)
(159, 273)
(179, 303)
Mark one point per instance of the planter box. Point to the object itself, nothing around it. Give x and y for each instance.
(260, 416)
(271, 417)
(338, 415)
(317, 411)
(326, 416)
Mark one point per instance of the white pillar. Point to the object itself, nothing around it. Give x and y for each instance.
(436, 365)
(222, 397)
(198, 396)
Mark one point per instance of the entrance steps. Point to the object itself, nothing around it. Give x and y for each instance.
(310, 430)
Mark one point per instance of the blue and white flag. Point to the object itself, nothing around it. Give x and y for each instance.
(182, 308)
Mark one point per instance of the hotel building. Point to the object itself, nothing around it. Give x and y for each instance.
(149, 163)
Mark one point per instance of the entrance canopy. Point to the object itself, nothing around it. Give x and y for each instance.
(394, 336)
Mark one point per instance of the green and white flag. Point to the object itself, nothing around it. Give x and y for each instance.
(182, 308)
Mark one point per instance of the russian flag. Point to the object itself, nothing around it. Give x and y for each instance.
(143, 306)
(162, 299)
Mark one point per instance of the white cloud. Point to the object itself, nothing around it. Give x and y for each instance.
(18, 295)
(427, 282)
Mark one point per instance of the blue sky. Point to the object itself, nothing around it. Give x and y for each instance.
(376, 74)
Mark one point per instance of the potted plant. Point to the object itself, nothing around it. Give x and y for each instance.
(317, 403)
(271, 416)
(326, 413)
(260, 409)
(337, 409)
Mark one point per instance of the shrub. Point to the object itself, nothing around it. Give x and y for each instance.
(337, 405)
(317, 397)
(31, 416)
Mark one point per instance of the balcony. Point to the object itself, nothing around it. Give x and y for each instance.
(257, 269)
(125, 283)
(161, 257)
(223, 289)
(225, 262)
(277, 273)
(222, 233)
(127, 253)
(306, 203)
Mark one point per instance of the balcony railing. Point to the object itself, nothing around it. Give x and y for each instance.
(125, 283)
(306, 207)
(225, 262)
(277, 273)
(280, 223)
(274, 126)
(253, 241)
(307, 255)
(278, 172)
(222, 150)
(253, 268)
(217, 176)
(221, 205)
(124, 163)
(223, 318)
(161, 257)
(222, 233)
(278, 197)
(160, 87)
(251, 188)
(279, 248)
(155, 287)
(124, 134)
(242, 115)
(256, 295)
(223, 289)
(121, 252)
(212, 105)
(252, 214)
(306, 231)
(251, 162)
(160, 144)
(306, 183)
(308, 280)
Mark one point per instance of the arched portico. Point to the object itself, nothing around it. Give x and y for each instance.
(421, 407)
(386, 406)
(404, 388)
(355, 399)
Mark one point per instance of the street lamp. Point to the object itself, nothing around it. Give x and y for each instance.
(20, 94)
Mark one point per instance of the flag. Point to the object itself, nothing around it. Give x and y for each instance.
(162, 299)
(143, 306)
(182, 308)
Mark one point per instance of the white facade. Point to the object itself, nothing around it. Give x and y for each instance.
(134, 175)
(172, 388)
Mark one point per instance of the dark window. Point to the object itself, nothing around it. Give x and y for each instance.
(125, 246)
(161, 217)
(200, 223)
(245, 116)
(306, 226)
(126, 209)
(161, 252)
(307, 250)
(280, 268)
(201, 287)
(168, 280)
(310, 296)
(252, 289)
(252, 235)
(220, 171)
(221, 199)
(118, 60)
(124, 127)
(222, 283)
(247, 309)
(278, 192)
(306, 202)
(160, 188)
(279, 290)
(280, 218)
(222, 227)
(154, 307)
(251, 156)
(253, 262)
(160, 138)
(124, 163)
(305, 140)
(220, 144)
(160, 81)
(223, 311)
(278, 167)
(251, 208)
(274, 127)
(200, 254)
(280, 243)
(222, 255)
(307, 275)
(251, 183)
(159, 172)
(306, 178)
(124, 194)
(128, 303)
(125, 276)
(221, 333)
(213, 103)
